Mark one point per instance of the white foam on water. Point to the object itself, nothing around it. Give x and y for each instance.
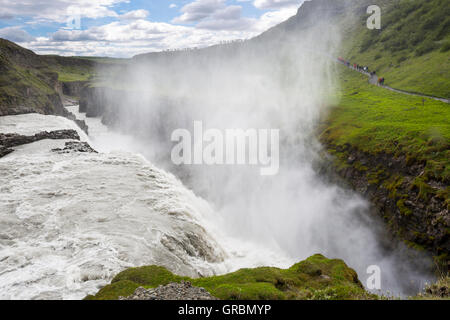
(32, 123)
(71, 221)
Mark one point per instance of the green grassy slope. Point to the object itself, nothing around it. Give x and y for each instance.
(25, 84)
(29, 82)
(412, 49)
(390, 127)
(314, 278)
(375, 120)
(382, 127)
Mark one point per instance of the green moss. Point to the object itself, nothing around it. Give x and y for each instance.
(120, 288)
(148, 276)
(360, 167)
(424, 190)
(444, 194)
(375, 177)
(317, 276)
(392, 185)
(403, 209)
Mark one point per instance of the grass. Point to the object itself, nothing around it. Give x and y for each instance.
(411, 49)
(381, 122)
(375, 120)
(314, 278)
(71, 75)
(28, 82)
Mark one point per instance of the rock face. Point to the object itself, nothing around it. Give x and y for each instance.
(73, 88)
(75, 146)
(101, 101)
(80, 123)
(172, 291)
(415, 210)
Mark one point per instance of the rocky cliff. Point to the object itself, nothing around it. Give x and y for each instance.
(415, 211)
(31, 83)
(73, 88)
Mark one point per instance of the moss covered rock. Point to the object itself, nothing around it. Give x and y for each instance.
(314, 278)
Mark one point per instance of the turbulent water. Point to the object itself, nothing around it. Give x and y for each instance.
(71, 221)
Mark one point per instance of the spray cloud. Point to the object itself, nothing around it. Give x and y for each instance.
(282, 81)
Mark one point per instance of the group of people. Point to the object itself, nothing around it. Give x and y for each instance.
(360, 68)
(357, 67)
(354, 66)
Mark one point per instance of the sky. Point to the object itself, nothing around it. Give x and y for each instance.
(124, 28)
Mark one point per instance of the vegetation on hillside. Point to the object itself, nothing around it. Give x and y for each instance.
(314, 278)
(440, 290)
(412, 49)
(389, 125)
(30, 82)
(375, 120)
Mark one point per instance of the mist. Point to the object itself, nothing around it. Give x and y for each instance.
(286, 82)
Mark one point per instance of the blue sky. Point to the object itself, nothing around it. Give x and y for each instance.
(123, 28)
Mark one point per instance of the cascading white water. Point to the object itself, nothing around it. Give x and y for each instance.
(71, 221)
(287, 83)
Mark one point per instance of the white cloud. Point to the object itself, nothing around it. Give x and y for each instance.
(135, 15)
(227, 13)
(277, 4)
(130, 37)
(199, 10)
(272, 18)
(58, 10)
(209, 22)
(15, 34)
(172, 5)
(214, 15)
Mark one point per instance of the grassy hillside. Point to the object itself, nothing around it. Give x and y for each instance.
(376, 120)
(70, 69)
(392, 147)
(30, 83)
(314, 278)
(412, 49)
(395, 148)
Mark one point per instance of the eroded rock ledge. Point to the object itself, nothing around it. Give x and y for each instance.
(10, 140)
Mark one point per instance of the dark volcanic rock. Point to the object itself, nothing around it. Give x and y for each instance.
(4, 151)
(391, 185)
(80, 123)
(172, 291)
(13, 139)
(9, 140)
(75, 146)
(73, 88)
